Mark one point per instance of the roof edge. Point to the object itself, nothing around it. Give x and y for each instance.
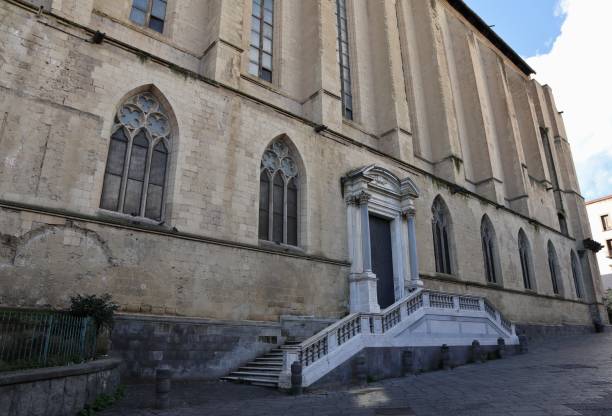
(494, 38)
(602, 198)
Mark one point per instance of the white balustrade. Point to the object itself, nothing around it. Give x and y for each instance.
(334, 340)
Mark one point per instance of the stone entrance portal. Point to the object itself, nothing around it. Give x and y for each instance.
(380, 212)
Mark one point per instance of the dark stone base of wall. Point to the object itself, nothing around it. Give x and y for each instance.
(199, 349)
(383, 363)
(194, 349)
(57, 391)
(537, 333)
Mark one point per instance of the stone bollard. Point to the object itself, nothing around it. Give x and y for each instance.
(523, 347)
(407, 367)
(162, 388)
(296, 378)
(599, 326)
(476, 351)
(445, 357)
(501, 348)
(361, 376)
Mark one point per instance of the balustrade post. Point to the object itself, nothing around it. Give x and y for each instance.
(289, 357)
(378, 324)
(365, 324)
(481, 305)
(403, 312)
(456, 302)
(497, 317)
(332, 340)
(426, 303)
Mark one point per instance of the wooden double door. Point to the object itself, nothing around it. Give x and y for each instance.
(382, 259)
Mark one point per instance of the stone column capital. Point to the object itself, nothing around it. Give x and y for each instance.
(359, 198)
(409, 212)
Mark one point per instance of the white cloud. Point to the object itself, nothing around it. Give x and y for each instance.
(579, 70)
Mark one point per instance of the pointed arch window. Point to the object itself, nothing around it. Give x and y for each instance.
(278, 195)
(441, 234)
(576, 274)
(562, 224)
(553, 267)
(489, 250)
(137, 162)
(526, 262)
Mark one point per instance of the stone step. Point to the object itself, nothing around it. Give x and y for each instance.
(273, 354)
(257, 381)
(270, 360)
(250, 367)
(264, 370)
(272, 364)
(258, 374)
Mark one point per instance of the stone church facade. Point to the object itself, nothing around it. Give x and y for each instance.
(235, 171)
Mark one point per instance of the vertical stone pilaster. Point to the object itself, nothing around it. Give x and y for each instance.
(362, 282)
(415, 281)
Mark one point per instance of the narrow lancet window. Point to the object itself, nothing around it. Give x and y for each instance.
(441, 232)
(260, 51)
(343, 60)
(278, 195)
(135, 176)
(553, 266)
(489, 250)
(577, 274)
(525, 256)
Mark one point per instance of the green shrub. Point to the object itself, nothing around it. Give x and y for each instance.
(100, 308)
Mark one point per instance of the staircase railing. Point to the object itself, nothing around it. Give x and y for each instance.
(322, 344)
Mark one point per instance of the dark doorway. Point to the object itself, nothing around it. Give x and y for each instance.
(382, 260)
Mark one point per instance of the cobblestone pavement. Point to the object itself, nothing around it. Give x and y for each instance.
(565, 376)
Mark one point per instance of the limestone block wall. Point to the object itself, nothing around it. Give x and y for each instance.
(60, 93)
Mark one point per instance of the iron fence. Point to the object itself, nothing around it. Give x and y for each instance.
(30, 339)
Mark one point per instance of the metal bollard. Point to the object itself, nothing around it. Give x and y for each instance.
(162, 388)
(501, 347)
(523, 347)
(361, 376)
(407, 367)
(296, 378)
(445, 357)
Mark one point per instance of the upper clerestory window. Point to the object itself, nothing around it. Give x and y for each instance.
(260, 51)
(149, 13)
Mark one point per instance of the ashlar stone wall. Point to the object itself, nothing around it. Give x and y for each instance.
(60, 93)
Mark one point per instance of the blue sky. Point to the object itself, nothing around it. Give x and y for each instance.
(565, 42)
(529, 26)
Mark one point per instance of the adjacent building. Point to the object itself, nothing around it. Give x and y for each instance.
(600, 217)
(234, 171)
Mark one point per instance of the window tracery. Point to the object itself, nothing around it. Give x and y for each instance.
(137, 162)
(278, 199)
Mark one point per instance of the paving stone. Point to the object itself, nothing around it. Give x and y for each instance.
(561, 377)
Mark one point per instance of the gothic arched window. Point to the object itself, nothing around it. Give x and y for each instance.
(137, 162)
(526, 262)
(278, 195)
(553, 267)
(577, 274)
(441, 236)
(489, 250)
(562, 224)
